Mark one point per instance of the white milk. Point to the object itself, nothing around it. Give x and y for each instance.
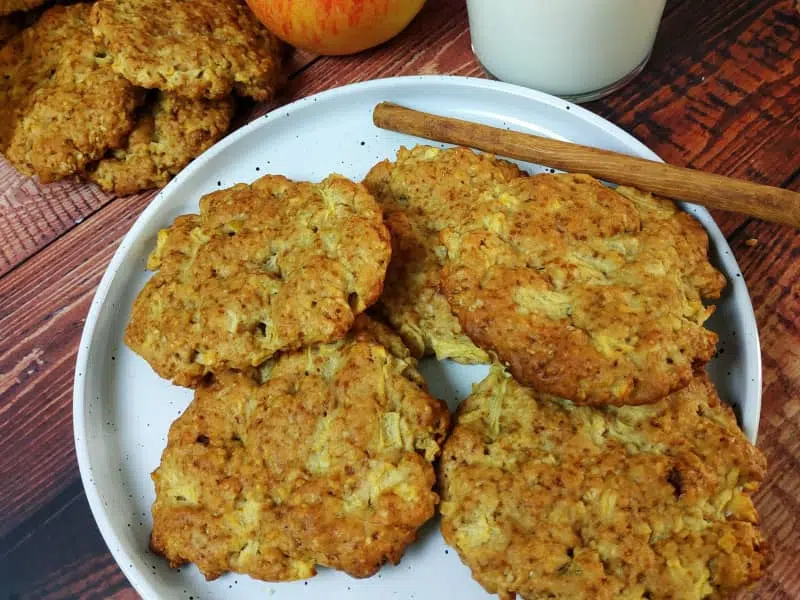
(564, 47)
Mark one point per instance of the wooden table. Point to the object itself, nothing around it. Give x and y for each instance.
(720, 94)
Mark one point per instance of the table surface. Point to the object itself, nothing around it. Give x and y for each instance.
(720, 94)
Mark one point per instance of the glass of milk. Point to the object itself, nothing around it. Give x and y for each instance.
(577, 49)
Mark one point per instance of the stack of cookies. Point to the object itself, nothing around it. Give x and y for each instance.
(596, 460)
(311, 436)
(127, 93)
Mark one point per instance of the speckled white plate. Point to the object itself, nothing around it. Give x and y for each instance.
(122, 410)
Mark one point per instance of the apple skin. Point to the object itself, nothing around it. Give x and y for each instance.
(335, 27)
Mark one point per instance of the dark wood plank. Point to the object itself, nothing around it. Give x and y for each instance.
(76, 563)
(700, 52)
(32, 214)
(44, 316)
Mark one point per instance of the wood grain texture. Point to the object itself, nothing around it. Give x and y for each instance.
(78, 563)
(33, 214)
(720, 94)
(43, 304)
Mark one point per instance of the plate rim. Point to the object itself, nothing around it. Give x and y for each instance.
(100, 516)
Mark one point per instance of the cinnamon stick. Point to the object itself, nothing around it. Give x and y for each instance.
(679, 183)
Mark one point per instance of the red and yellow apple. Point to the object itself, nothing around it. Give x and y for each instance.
(335, 26)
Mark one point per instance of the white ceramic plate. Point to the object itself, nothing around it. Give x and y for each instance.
(122, 410)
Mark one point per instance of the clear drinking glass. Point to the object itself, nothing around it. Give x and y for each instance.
(577, 49)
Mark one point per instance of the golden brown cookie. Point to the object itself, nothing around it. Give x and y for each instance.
(198, 48)
(546, 499)
(265, 267)
(63, 107)
(327, 462)
(169, 133)
(11, 6)
(586, 293)
(425, 190)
